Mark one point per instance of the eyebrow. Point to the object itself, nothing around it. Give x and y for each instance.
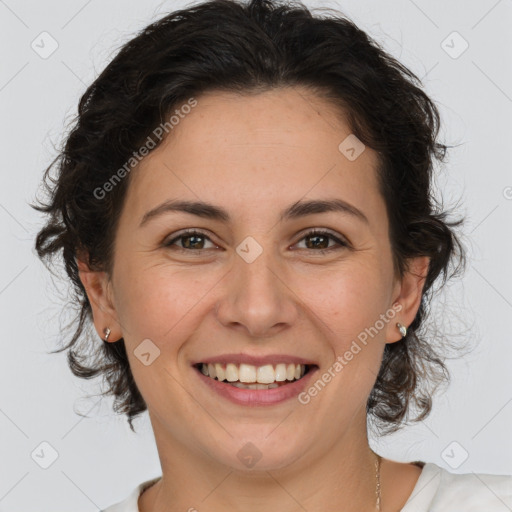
(296, 210)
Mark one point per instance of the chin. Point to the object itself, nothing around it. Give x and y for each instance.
(250, 454)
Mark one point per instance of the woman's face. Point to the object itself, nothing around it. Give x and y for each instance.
(275, 293)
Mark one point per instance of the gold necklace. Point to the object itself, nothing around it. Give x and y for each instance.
(377, 474)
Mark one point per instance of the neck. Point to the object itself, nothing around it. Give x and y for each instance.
(323, 477)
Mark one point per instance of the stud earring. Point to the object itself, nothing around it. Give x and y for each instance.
(402, 329)
(106, 331)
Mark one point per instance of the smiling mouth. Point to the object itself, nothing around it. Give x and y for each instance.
(250, 377)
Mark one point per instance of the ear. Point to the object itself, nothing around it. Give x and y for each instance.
(407, 294)
(98, 288)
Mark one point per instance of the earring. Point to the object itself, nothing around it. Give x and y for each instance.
(402, 329)
(106, 331)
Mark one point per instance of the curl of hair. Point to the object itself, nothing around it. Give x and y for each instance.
(222, 45)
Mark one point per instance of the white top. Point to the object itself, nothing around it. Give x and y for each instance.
(436, 490)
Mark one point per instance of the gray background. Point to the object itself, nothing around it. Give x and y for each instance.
(98, 460)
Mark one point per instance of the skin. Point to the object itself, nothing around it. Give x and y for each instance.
(254, 156)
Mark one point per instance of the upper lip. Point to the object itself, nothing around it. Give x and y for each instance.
(255, 360)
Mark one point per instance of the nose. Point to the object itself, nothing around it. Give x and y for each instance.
(256, 298)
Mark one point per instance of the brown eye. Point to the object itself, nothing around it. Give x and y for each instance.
(190, 240)
(319, 240)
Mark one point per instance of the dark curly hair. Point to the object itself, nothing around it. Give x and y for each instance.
(223, 45)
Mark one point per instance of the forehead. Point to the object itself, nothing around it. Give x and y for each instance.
(275, 146)
(285, 118)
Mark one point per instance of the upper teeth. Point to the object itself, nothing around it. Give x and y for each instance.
(248, 373)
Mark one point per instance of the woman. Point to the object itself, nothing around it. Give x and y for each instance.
(244, 207)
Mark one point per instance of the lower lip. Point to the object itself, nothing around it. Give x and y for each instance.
(258, 396)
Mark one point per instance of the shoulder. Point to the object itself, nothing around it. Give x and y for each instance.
(438, 490)
(130, 503)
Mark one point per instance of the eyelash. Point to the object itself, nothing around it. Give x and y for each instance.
(313, 232)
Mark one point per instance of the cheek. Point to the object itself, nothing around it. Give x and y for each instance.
(346, 300)
(347, 306)
(159, 302)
